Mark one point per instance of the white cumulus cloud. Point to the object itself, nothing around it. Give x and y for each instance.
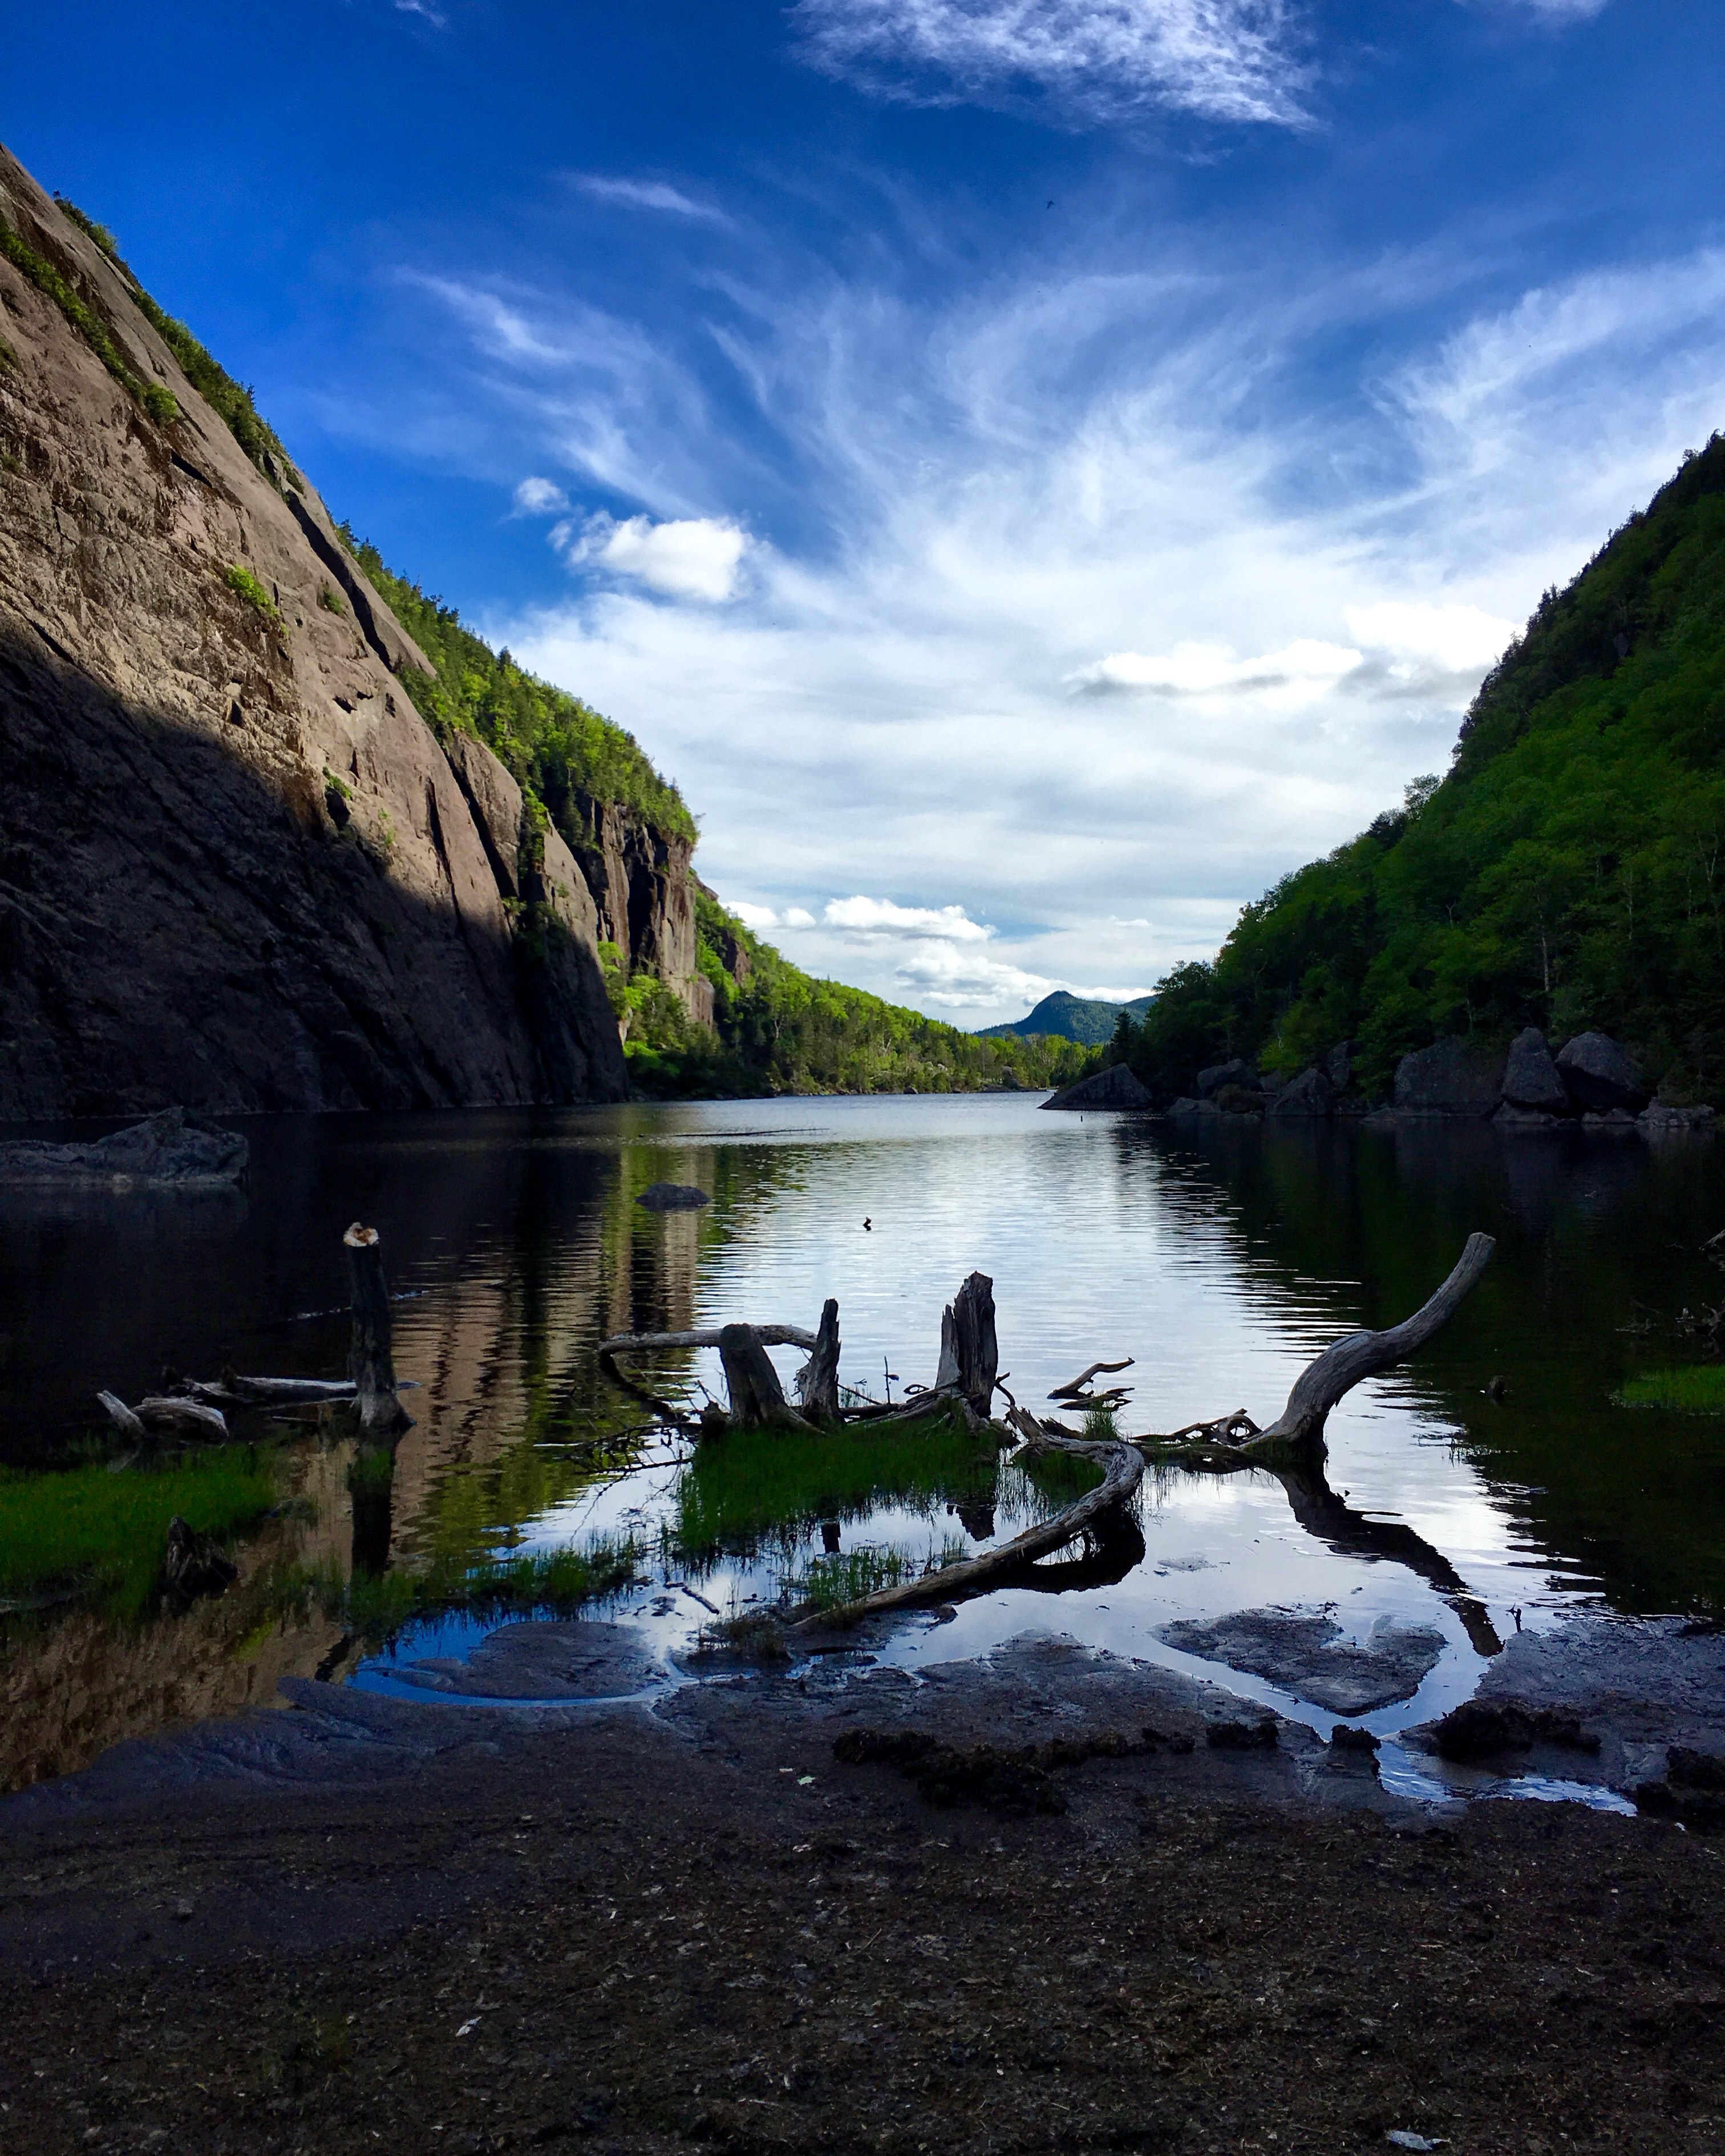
(1091, 60)
(539, 497)
(880, 916)
(687, 557)
(1460, 638)
(1210, 669)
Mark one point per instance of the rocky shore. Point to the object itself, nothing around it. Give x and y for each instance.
(1111, 1908)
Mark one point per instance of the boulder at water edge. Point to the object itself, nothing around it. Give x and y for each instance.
(1113, 1088)
(1310, 1094)
(1600, 1074)
(1450, 1078)
(1238, 1072)
(1531, 1079)
(171, 1150)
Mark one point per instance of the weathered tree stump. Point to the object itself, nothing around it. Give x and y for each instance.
(757, 1400)
(976, 1354)
(818, 1381)
(194, 1565)
(370, 1360)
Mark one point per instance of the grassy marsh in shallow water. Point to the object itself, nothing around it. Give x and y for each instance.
(1700, 1390)
(743, 1489)
(105, 1532)
(830, 1582)
(376, 1606)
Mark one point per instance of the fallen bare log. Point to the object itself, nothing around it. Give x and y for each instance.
(181, 1417)
(231, 1391)
(642, 1343)
(1125, 1471)
(1073, 1389)
(122, 1416)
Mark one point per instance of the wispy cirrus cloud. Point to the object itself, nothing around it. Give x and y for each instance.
(1085, 62)
(658, 196)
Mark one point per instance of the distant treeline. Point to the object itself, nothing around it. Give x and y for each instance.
(778, 1030)
(1569, 872)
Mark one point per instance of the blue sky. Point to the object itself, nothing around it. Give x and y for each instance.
(1033, 470)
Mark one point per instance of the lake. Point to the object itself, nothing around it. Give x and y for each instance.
(1220, 1259)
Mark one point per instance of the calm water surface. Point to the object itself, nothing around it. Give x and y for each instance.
(1220, 1261)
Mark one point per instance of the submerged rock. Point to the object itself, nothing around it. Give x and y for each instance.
(1530, 1078)
(1452, 1077)
(536, 1658)
(672, 1198)
(1303, 1652)
(170, 1150)
(1600, 1074)
(1660, 1119)
(1113, 1088)
(1509, 1117)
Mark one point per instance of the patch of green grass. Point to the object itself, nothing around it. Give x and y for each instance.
(376, 1607)
(156, 401)
(1697, 1391)
(753, 1486)
(245, 585)
(105, 1532)
(330, 599)
(849, 1575)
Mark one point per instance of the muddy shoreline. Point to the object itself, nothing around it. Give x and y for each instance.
(686, 1925)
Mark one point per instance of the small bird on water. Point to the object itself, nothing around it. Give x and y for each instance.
(868, 1224)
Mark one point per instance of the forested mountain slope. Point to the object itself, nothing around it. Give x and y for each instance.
(1568, 873)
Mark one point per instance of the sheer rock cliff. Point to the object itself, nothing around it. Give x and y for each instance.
(237, 871)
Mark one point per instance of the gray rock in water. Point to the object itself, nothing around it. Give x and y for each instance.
(169, 1151)
(1238, 1072)
(1311, 1094)
(1534, 1120)
(1113, 1088)
(672, 1198)
(1531, 1078)
(1600, 1074)
(1450, 1078)
(1300, 1652)
(1658, 1120)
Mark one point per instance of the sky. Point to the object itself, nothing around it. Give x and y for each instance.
(1033, 471)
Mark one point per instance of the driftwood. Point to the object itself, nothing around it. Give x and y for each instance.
(371, 1360)
(122, 1416)
(1075, 1389)
(181, 1417)
(1124, 1465)
(770, 1336)
(1323, 1382)
(818, 1380)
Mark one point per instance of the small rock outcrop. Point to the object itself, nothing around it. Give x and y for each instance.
(1452, 1077)
(1236, 1072)
(673, 1198)
(1309, 1094)
(1600, 1075)
(1113, 1088)
(1530, 1078)
(171, 1151)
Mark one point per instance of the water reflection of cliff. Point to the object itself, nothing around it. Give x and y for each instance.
(1596, 1237)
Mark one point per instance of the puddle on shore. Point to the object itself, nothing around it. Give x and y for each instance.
(1220, 1263)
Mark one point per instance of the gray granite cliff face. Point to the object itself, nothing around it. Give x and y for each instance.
(237, 870)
